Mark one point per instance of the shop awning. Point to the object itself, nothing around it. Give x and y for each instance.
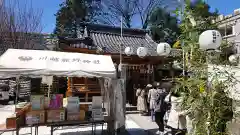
(20, 62)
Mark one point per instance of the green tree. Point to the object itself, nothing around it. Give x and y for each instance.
(204, 94)
(74, 12)
(163, 26)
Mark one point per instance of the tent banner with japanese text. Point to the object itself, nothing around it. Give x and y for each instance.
(44, 62)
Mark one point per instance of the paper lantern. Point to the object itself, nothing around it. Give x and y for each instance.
(142, 52)
(128, 51)
(163, 49)
(210, 40)
(233, 58)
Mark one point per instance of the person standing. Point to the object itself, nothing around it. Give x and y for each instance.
(148, 88)
(177, 118)
(151, 100)
(141, 101)
(160, 107)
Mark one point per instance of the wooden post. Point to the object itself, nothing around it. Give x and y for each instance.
(69, 91)
(109, 92)
(107, 89)
(111, 123)
(124, 102)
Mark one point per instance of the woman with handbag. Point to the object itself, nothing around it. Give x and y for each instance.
(158, 106)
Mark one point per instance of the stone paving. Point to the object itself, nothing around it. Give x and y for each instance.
(144, 123)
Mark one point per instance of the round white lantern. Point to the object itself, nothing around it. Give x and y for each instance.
(142, 52)
(128, 51)
(233, 58)
(210, 40)
(163, 49)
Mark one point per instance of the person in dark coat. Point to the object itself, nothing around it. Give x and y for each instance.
(160, 108)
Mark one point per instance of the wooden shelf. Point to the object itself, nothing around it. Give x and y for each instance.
(87, 87)
(87, 94)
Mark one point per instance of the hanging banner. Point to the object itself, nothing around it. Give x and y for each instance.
(42, 62)
(120, 96)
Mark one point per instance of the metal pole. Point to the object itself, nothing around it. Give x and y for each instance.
(122, 78)
(182, 42)
(120, 63)
(17, 91)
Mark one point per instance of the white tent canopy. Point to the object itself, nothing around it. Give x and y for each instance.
(20, 62)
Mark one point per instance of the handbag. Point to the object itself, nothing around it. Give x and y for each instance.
(161, 105)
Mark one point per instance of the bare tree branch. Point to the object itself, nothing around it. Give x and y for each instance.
(134, 10)
(20, 24)
(115, 9)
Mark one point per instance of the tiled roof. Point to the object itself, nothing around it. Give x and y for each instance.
(113, 41)
(109, 39)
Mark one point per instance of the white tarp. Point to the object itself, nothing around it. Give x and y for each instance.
(15, 62)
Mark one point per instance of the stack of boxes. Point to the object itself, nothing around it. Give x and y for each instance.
(36, 114)
(97, 113)
(55, 112)
(56, 109)
(73, 108)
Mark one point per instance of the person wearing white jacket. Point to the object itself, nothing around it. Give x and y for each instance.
(176, 119)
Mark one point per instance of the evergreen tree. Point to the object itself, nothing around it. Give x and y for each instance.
(74, 12)
(163, 26)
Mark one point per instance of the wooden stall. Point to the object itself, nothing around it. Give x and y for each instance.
(102, 39)
(54, 107)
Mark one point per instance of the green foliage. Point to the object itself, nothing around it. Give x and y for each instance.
(74, 12)
(204, 93)
(163, 26)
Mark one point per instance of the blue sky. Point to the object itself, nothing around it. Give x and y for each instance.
(50, 7)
